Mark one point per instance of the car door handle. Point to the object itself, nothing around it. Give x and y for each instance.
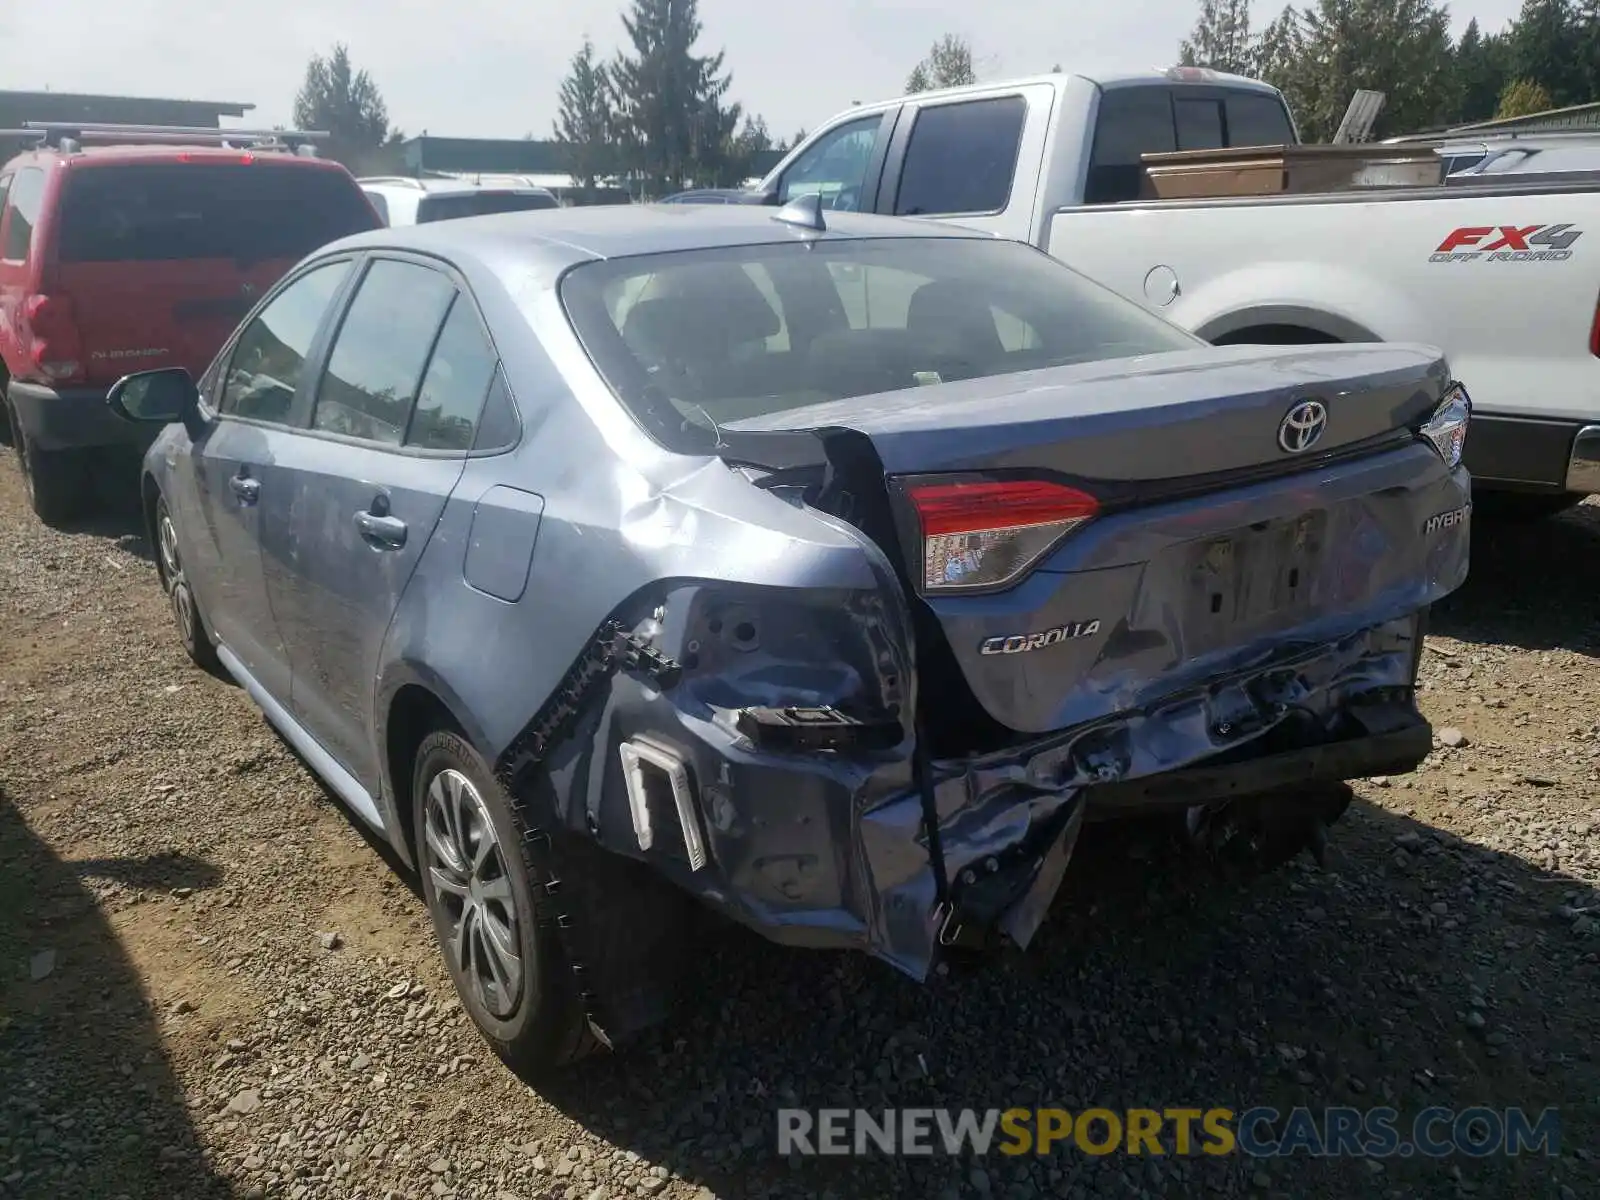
(248, 490)
(381, 532)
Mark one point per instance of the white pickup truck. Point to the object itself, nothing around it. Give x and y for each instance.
(1503, 276)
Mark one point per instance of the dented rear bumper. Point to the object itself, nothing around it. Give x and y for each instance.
(832, 849)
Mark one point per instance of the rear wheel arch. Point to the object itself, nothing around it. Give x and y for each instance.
(414, 712)
(1284, 325)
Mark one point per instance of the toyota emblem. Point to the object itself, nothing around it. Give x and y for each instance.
(1302, 426)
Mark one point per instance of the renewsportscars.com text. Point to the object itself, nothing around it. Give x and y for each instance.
(1259, 1132)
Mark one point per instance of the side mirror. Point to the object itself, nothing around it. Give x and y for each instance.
(769, 199)
(165, 396)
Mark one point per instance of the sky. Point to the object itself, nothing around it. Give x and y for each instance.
(491, 68)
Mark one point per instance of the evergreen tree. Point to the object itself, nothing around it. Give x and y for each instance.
(949, 64)
(1221, 38)
(583, 125)
(1320, 55)
(1481, 74)
(668, 100)
(1544, 49)
(345, 103)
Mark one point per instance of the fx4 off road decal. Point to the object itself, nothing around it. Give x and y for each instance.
(1507, 243)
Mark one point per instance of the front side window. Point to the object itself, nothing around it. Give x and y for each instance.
(269, 357)
(709, 338)
(376, 362)
(834, 166)
(22, 209)
(962, 157)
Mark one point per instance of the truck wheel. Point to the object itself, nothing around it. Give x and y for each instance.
(490, 912)
(55, 480)
(193, 631)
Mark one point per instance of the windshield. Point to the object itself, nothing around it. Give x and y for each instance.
(249, 212)
(481, 204)
(694, 340)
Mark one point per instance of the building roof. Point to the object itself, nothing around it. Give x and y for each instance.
(88, 105)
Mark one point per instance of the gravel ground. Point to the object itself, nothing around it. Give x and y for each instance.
(212, 986)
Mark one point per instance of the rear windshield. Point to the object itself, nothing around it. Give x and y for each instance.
(480, 204)
(250, 212)
(694, 340)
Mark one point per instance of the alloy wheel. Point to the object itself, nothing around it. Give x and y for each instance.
(467, 868)
(172, 568)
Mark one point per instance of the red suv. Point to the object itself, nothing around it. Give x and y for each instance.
(124, 258)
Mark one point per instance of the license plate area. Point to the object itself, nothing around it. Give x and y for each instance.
(1251, 578)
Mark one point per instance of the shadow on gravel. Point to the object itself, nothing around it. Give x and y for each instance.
(1532, 585)
(1155, 984)
(89, 1108)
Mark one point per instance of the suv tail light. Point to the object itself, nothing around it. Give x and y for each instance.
(1594, 332)
(984, 534)
(50, 329)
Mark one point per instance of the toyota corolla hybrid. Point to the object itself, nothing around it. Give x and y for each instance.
(825, 568)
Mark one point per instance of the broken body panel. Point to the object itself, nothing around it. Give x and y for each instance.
(754, 597)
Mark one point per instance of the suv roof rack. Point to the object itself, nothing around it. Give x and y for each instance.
(402, 180)
(65, 135)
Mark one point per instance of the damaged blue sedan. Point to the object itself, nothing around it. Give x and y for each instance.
(826, 569)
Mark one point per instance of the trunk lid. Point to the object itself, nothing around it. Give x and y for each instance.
(161, 260)
(1181, 522)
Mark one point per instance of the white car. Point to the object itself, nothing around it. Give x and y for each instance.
(402, 200)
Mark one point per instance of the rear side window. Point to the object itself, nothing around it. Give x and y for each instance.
(457, 380)
(22, 204)
(379, 203)
(375, 366)
(248, 212)
(962, 157)
(1257, 120)
(480, 204)
(1132, 121)
(269, 358)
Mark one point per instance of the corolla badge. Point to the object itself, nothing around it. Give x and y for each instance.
(1302, 426)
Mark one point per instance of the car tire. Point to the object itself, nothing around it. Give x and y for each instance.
(193, 632)
(55, 479)
(491, 913)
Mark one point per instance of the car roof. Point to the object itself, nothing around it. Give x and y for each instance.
(448, 187)
(571, 235)
(1179, 76)
(98, 156)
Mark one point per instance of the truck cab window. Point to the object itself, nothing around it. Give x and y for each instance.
(1132, 121)
(1257, 119)
(835, 165)
(1199, 122)
(962, 158)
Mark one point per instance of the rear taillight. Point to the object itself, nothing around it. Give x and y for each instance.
(983, 534)
(50, 329)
